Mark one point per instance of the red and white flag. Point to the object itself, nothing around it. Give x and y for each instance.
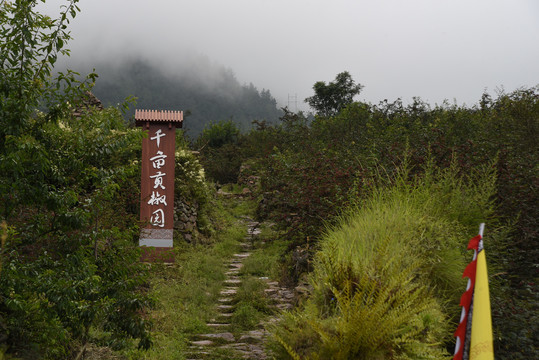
(474, 332)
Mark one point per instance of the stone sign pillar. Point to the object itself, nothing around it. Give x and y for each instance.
(157, 183)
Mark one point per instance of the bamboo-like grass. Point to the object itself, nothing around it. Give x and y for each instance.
(388, 277)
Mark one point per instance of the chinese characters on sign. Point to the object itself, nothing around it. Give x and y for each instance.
(158, 161)
(157, 184)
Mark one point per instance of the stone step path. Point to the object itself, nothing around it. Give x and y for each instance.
(246, 345)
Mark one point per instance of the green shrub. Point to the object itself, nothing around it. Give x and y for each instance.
(71, 273)
(265, 261)
(251, 292)
(220, 152)
(218, 134)
(245, 317)
(387, 280)
(191, 186)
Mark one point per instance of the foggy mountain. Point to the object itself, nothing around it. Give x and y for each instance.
(204, 90)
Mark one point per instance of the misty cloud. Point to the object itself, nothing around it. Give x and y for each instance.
(433, 49)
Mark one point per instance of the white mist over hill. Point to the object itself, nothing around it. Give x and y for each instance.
(432, 49)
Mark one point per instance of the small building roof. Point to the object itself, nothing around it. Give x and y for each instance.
(86, 104)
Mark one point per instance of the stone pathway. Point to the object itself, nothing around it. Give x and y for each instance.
(222, 343)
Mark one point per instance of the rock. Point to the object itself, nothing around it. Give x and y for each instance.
(189, 226)
(225, 308)
(233, 282)
(202, 343)
(225, 336)
(224, 193)
(235, 265)
(217, 326)
(303, 289)
(256, 335)
(270, 291)
(228, 292)
(286, 294)
(225, 315)
(285, 306)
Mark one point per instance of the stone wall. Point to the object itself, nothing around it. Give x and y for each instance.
(185, 218)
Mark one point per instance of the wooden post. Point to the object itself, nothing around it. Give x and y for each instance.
(157, 183)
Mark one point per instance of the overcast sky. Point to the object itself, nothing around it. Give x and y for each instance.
(435, 49)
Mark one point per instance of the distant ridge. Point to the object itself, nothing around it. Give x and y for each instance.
(206, 94)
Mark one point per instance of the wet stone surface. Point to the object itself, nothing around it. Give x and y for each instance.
(248, 344)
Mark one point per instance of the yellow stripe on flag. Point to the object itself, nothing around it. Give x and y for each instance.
(481, 340)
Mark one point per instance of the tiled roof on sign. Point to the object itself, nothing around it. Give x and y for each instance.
(144, 116)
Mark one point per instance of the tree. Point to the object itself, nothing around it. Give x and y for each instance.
(219, 147)
(69, 265)
(30, 43)
(330, 99)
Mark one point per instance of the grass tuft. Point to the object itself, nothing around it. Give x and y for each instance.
(387, 278)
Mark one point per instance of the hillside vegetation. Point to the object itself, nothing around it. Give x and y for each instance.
(312, 175)
(205, 92)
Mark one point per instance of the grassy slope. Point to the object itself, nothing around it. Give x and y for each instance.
(186, 292)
